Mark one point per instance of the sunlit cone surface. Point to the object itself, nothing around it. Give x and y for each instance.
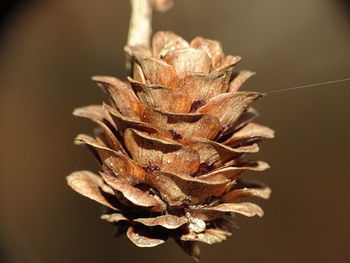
(171, 143)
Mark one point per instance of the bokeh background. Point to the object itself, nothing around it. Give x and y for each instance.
(48, 51)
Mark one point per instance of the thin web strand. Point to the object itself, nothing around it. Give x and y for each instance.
(308, 86)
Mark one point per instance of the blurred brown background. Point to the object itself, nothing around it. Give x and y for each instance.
(49, 50)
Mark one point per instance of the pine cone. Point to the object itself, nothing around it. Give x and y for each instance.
(171, 144)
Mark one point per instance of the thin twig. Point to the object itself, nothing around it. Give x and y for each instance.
(140, 28)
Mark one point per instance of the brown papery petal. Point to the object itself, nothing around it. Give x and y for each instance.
(165, 154)
(167, 221)
(209, 236)
(92, 112)
(253, 148)
(113, 218)
(109, 138)
(228, 107)
(170, 192)
(164, 41)
(250, 183)
(89, 184)
(248, 165)
(246, 117)
(167, 99)
(123, 123)
(234, 195)
(228, 63)
(191, 248)
(176, 189)
(143, 239)
(206, 215)
(246, 209)
(138, 74)
(232, 172)
(212, 47)
(123, 97)
(188, 60)
(133, 194)
(212, 153)
(157, 72)
(238, 81)
(125, 168)
(201, 86)
(199, 125)
(251, 130)
(98, 148)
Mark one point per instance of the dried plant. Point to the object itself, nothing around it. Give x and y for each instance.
(171, 141)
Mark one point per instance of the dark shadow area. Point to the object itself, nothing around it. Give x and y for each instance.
(9, 9)
(345, 5)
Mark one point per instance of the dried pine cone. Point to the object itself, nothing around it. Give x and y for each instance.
(171, 145)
